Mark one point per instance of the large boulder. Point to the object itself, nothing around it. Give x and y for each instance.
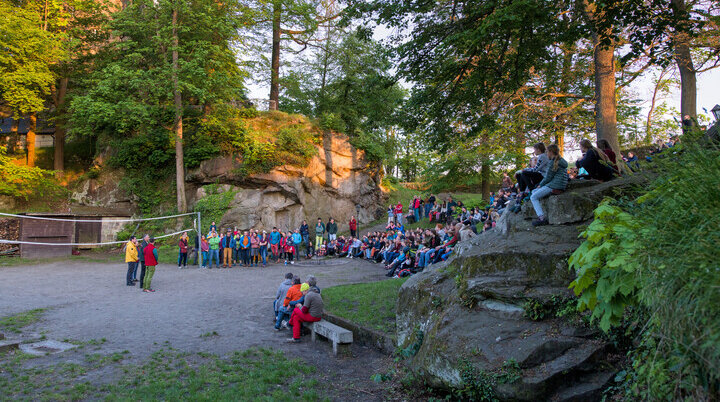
(338, 182)
(104, 191)
(474, 310)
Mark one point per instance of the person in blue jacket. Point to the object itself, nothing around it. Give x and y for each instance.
(297, 239)
(275, 237)
(228, 244)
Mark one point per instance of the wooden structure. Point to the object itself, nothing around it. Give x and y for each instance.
(44, 231)
(51, 231)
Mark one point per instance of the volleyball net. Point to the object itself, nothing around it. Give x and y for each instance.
(22, 237)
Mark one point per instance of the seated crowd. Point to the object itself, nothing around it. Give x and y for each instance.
(402, 251)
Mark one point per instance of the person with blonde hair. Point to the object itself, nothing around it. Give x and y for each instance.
(555, 181)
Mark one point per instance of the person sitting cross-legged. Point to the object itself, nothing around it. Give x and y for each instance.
(310, 311)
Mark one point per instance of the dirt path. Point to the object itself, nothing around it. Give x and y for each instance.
(91, 301)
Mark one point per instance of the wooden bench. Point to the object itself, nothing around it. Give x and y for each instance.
(333, 333)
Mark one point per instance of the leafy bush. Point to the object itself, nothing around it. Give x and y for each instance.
(213, 206)
(25, 182)
(295, 146)
(332, 121)
(658, 253)
(259, 156)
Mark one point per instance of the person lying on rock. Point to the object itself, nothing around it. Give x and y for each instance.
(555, 181)
(309, 311)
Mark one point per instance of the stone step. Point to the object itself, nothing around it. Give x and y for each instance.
(8, 345)
(588, 387)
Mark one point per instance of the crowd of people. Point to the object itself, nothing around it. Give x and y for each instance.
(401, 251)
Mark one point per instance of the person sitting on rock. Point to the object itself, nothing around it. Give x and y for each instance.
(556, 179)
(528, 178)
(310, 310)
(595, 162)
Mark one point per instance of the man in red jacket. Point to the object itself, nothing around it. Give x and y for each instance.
(151, 260)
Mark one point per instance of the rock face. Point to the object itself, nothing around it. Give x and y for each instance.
(104, 191)
(335, 183)
(470, 310)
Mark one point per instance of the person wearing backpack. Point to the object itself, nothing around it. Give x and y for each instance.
(151, 261)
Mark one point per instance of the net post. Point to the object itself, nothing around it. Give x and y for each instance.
(199, 236)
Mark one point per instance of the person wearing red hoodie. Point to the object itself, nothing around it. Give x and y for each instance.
(151, 260)
(353, 226)
(310, 311)
(399, 213)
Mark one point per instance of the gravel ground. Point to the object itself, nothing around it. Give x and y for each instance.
(91, 301)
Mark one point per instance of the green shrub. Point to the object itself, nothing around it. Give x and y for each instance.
(213, 206)
(332, 121)
(295, 146)
(26, 182)
(658, 254)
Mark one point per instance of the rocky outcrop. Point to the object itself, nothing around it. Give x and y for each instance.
(338, 182)
(104, 191)
(471, 310)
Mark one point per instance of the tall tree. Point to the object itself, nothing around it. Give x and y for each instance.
(29, 49)
(171, 54)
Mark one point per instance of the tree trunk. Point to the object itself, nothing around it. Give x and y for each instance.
(59, 156)
(604, 63)
(653, 102)
(560, 139)
(30, 140)
(12, 143)
(605, 106)
(485, 180)
(178, 128)
(683, 59)
(275, 61)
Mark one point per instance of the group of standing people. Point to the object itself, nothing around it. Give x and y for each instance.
(254, 247)
(145, 255)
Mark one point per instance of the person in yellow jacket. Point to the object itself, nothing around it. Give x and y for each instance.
(131, 257)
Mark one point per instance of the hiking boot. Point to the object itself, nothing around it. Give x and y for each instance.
(293, 340)
(540, 222)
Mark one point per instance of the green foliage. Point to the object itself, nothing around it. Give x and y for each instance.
(213, 206)
(657, 254)
(476, 384)
(331, 121)
(26, 182)
(509, 372)
(606, 271)
(148, 161)
(554, 307)
(27, 56)
(295, 146)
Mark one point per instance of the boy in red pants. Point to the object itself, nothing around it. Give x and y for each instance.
(310, 311)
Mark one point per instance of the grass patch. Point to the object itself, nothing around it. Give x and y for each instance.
(254, 374)
(14, 323)
(368, 304)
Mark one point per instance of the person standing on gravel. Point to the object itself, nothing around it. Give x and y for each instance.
(319, 231)
(332, 229)
(131, 258)
(151, 261)
(141, 257)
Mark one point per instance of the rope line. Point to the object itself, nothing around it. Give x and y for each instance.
(2, 241)
(95, 220)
